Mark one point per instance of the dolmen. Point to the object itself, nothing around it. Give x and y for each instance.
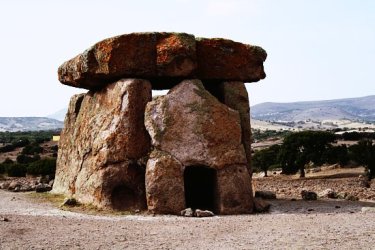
(123, 149)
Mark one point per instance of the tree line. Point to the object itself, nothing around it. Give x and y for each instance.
(28, 161)
(300, 148)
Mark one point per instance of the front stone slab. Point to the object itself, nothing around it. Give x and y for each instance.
(194, 127)
(199, 158)
(102, 139)
(164, 184)
(234, 187)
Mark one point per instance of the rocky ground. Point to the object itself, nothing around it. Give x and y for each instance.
(27, 222)
(326, 224)
(343, 181)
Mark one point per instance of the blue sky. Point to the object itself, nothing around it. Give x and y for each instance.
(317, 49)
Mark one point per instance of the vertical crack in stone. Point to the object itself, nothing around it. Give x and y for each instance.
(196, 124)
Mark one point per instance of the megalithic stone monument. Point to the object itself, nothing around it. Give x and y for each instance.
(122, 149)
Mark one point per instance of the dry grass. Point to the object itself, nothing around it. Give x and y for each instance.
(53, 199)
(56, 200)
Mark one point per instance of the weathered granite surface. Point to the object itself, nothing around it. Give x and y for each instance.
(161, 56)
(164, 184)
(193, 126)
(121, 149)
(189, 127)
(100, 144)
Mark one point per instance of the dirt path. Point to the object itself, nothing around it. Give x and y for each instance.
(290, 225)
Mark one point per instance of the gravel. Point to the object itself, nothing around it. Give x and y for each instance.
(322, 224)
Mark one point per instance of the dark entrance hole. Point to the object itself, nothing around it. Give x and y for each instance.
(128, 190)
(123, 198)
(200, 187)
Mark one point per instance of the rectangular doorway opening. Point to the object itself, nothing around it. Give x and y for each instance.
(200, 188)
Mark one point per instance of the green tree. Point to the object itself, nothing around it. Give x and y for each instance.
(364, 153)
(336, 154)
(300, 148)
(265, 158)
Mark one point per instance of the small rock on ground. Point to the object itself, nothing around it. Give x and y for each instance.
(261, 206)
(269, 195)
(203, 213)
(309, 195)
(188, 212)
(69, 202)
(368, 210)
(328, 193)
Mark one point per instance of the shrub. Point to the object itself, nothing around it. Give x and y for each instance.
(42, 167)
(7, 148)
(24, 159)
(16, 170)
(2, 168)
(55, 148)
(21, 143)
(14, 145)
(32, 149)
(8, 161)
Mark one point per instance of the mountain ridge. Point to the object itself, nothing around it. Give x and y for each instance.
(359, 108)
(21, 124)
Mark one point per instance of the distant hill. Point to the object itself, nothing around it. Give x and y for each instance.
(13, 124)
(59, 115)
(355, 109)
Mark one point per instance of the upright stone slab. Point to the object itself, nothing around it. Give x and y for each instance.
(234, 95)
(193, 128)
(234, 187)
(67, 167)
(100, 144)
(164, 184)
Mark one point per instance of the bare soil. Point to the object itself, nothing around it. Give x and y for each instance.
(11, 155)
(34, 223)
(340, 180)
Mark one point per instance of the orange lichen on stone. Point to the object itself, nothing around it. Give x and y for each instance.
(160, 56)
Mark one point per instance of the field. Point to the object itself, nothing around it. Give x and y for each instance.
(36, 223)
(340, 180)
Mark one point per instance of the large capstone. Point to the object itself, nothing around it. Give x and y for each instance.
(166, 58)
